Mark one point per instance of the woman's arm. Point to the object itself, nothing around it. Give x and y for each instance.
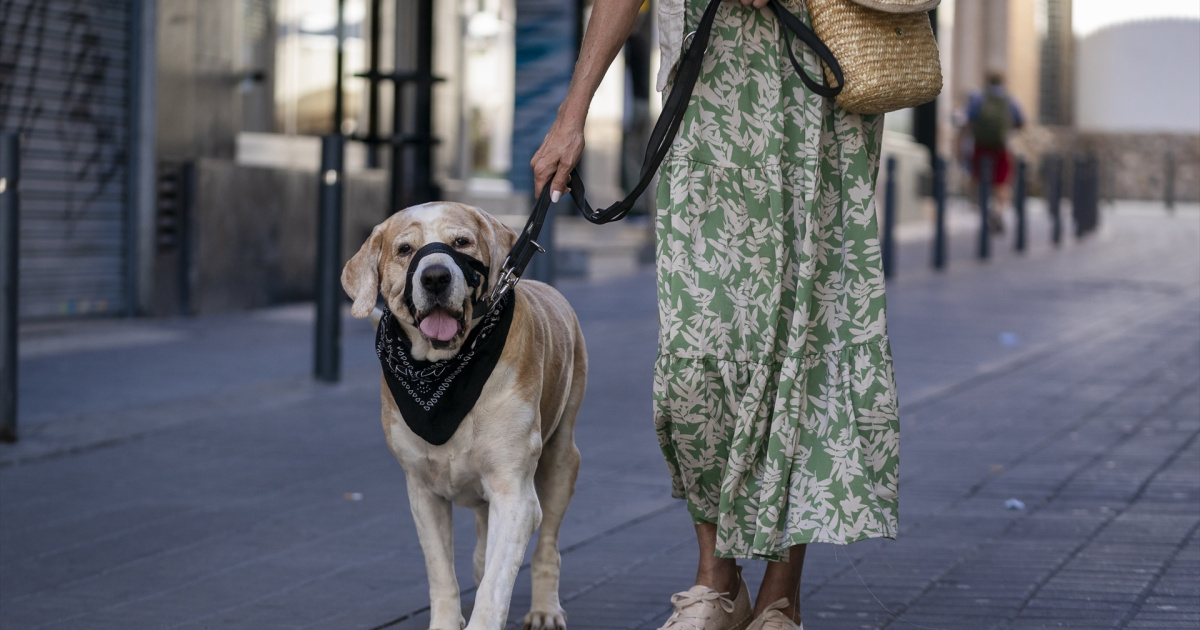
(607, 30)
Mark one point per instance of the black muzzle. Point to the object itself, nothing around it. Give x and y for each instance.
(474, 271)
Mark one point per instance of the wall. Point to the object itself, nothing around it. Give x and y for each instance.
(199, 105)
(255, 232)
(1140, 77)
(1133, 165)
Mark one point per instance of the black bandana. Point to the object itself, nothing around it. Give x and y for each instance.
(434, 397)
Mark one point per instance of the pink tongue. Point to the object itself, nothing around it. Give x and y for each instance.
(440, 326)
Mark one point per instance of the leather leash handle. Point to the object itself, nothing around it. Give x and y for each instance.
(663, 135)
(792, 24)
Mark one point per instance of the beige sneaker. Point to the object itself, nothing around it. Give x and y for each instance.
(702, 608)
(774, 619)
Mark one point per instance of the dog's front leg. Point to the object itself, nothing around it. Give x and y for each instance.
(433, 516)
(513, 514)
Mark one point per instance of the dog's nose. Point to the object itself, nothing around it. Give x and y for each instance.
(435, 279)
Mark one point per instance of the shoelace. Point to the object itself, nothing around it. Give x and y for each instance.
(688, 600)
(775, 621)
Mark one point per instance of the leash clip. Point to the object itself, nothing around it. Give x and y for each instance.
(507, 281)
(508, 278)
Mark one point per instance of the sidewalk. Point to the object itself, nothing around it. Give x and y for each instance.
(189, 474)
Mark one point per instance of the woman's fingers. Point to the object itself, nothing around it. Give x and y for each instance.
(561, 179)
(543, 169)
(553, 161)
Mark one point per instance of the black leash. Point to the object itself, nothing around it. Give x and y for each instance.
(661, 137)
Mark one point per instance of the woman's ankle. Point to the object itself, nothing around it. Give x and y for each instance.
(723, 577)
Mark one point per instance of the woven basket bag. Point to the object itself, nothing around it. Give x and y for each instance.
(886, 49)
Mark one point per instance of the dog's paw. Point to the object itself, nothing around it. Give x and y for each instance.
(546, 620)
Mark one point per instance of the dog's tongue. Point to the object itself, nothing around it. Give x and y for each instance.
(440, 326)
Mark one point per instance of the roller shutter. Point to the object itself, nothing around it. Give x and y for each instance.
(64, 85)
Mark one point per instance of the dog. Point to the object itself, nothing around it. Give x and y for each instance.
(513, 458)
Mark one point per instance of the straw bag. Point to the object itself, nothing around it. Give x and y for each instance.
(886, 50)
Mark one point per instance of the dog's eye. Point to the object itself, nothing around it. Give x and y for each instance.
(404, 249)
(462, 241)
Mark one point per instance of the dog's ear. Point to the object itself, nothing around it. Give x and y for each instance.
(500, 240)
(360, 277)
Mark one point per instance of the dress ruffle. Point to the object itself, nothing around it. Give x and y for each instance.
(807, 454)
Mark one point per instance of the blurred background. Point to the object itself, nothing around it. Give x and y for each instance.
(115, 101)
(198, 442)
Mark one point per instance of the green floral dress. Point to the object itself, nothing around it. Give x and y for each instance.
(775, 403)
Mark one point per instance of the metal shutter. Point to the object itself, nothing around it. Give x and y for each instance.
(64, 85)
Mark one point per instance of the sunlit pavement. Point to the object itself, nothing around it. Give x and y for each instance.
(189, 474)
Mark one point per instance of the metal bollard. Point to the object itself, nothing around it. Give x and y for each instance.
(1078, 200)
(985, 194)
(327, 352)
(1019, 204)
(1085, 195)
(1053, 165)
(1092, 189)
(887, 244)
(9, 262)
(939, 199)
(183, 270)
(1169, 184)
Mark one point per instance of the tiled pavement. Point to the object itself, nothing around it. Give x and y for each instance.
(188, 475)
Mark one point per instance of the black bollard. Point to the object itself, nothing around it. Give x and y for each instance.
(1092, 188)
(9, 261)
(888, 242)
(183, 268)
(327, 351)
(985, 194)
(1085, 195)
(1019, 204)
(1077, 194)
(1053, 165)
(939, 199)
(1169, 184)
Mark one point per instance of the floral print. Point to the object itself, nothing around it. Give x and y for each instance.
(775, 402)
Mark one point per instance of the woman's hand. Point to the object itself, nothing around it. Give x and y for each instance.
(559, 153)
(606, 32)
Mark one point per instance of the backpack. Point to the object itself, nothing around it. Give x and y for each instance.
(990, 126)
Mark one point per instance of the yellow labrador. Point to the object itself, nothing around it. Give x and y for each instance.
(513, 458)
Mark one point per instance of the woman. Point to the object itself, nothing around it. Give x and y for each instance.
(775, 403)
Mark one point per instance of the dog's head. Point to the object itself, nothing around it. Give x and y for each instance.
(436, 298)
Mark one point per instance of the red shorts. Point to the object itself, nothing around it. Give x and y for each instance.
(1000, 163)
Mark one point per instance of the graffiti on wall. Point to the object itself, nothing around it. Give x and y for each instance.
(64, 87)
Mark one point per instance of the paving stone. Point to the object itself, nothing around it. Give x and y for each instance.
(147, 502)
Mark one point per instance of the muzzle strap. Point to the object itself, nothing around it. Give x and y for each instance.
(474, 271)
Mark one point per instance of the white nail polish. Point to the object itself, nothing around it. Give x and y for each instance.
(554, 196)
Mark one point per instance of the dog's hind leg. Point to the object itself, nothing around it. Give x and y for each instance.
(555, 481)
(433, 516)
(481, 529)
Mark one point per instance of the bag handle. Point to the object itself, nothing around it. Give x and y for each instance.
(661, 137)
